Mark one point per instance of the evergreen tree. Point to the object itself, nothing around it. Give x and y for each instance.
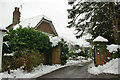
(96, 18)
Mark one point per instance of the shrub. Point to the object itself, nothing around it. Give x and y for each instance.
(9, 61)
(64, 52)
(29, 59)
(29, 47)
(27, 38)
(84, 52)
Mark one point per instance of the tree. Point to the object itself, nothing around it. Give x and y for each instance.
(94, 17)
(27, 38)
(115, 11)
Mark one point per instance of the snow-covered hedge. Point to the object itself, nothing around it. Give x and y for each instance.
(113, 48)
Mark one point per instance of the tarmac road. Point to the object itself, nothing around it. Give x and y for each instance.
(76, 71)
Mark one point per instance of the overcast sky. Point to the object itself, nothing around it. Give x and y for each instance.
(56, 10)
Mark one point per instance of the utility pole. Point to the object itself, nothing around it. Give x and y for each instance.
(2, 31)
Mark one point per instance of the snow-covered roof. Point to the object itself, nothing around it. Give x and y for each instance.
(31, 22)
(100, 39)
(35, 22)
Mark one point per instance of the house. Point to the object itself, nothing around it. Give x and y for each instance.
(40, 23)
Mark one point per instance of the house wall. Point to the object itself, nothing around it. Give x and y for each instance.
(45, 27)
(56, 55)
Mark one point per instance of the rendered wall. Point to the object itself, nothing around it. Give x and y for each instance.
(1, 41)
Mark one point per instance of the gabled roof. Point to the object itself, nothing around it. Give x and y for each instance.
(35, 22)
(48, 21)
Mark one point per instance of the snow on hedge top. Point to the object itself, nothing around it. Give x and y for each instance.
(100, 39)
(55, 40)
(31, 22)
(113, 48)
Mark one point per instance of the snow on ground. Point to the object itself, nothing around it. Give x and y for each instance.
(40, 70)
(110, 67)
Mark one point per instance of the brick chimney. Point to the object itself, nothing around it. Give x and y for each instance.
(16, 16)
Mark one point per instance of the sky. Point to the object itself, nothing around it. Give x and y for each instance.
(56, 10)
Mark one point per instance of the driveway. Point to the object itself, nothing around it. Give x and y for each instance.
(76, 71)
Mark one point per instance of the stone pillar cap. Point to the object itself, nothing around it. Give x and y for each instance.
(100, 39)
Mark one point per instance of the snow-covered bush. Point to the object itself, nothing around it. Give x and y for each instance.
(84, 52)
(114, 49)
(117, 54)
(54, 40)
(76, 53)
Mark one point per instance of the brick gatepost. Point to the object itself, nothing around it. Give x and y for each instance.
(100, 51)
